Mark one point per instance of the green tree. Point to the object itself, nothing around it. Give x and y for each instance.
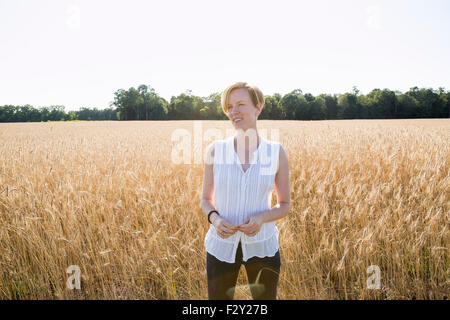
(293, 105)
(181, 107)
(349, 108)
(120, 104)
(408, 107)
(381, 104)
(56, 113)
(430, 103)
(289, 105)
(45, 114)
(272, 109)
(7, 113)
(331, 106)
(445, 97)
(318, 109)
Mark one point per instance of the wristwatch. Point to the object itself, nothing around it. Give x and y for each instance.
(211, 212)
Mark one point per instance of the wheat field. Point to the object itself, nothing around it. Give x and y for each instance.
(107, 197)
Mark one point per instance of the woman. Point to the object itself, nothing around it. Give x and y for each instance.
(236, 200)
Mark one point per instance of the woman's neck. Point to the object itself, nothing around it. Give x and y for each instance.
(250, 136)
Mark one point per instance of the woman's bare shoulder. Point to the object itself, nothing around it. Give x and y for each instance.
(279, 146)
(282, 150)
(282, 158)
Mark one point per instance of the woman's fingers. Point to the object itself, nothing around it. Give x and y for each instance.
(225, 229)
(225, 232)
(229, 226)
(246, 228)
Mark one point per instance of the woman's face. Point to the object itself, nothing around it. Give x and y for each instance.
(240, 106)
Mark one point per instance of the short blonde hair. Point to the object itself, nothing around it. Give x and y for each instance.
(255, 93)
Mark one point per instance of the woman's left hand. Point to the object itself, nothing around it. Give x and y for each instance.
(252, 226)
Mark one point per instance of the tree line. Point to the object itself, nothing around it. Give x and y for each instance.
(143, 103)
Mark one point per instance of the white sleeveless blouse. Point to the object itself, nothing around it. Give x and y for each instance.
(239, 195)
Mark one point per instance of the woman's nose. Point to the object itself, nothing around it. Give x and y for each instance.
(234, 109)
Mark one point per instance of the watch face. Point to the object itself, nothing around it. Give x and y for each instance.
(210, 213)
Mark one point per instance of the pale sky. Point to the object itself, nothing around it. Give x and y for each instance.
(78, 53)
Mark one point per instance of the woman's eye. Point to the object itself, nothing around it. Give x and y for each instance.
(240, 104)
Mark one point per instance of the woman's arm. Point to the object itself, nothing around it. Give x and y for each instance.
(223, 227)
(282, 190)
(282, 208)
(208, 184)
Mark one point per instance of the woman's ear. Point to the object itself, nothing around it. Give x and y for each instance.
(259, 109)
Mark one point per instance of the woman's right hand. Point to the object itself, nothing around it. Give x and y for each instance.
(223, 228)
